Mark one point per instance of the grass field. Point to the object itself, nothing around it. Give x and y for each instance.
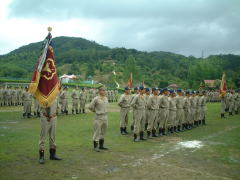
(216, 157)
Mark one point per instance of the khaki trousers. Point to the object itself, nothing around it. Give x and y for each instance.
(124, 117)
(139, 123)
(48, 129)
(27, 107)
(82, 103)
(180, 117)
(100, 127)
(153, 119)
(163, 117)
(75, 104)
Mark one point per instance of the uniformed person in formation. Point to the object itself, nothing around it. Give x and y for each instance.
(1, 96)
(124, 103)
(136, 91)
(152, 107)
(83, 100)
(139, 104)
(223, 105)
(187, 113)
(180, 111)
(193, 108)
(172, 112)
(75, 100)
(147, 95)
(164, 111)
(64, 101)
(99, 106)
(48, 129)
(27, 103)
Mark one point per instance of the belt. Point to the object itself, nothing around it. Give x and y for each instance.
(49, 117)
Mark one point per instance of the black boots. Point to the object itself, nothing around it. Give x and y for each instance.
(38, 114)
(76, 111)
(154, 133)
(29, 115)
(230, 114)
(83, 111)
(41, 157)
(95, 145)
(142, 136)
(72, 111)
(132, 127)
(53, 155)
(149, 134)
(146, 125)
(123, 130)
(222, 115)
(101, 145)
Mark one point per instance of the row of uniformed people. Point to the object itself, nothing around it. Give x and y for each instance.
(11, 96)
(80, 97)
(230, 102)
(161, 112)
(213, 96)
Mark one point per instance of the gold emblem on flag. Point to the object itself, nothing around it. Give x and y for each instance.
(49, 69)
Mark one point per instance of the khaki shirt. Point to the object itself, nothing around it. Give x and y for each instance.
(138, 102)
(172, 104)
(99, 105)
(125, 101)
(163, 102)
(179, 102)
(26, 96)
(75, 94)
(153, 102)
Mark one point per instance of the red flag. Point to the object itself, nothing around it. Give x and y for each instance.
(223, 86)
(130, 81)
(45, 84)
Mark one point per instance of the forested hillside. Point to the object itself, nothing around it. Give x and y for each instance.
(83, 58)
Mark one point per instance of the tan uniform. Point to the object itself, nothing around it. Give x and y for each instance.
(153, 108)
(1, 97)
(124, 103)
(75, 100)
(186, 107)
(83, 100)
(99, 106)
(139, 103)
(27, 103)
(64, 101)
(48, 122)
(7, 95)
(164, 106)
(14, 97)
(180, 111)
(147, 112)
(193, 109)
(172, 112)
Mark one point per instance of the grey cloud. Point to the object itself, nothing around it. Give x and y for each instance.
(181, 26)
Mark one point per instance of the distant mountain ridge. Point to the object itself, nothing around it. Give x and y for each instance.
(80, 56)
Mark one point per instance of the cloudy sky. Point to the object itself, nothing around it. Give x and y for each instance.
(181, 26)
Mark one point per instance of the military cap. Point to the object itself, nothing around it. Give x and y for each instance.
(197, 92)
(188, 92)
(164, 89)
(141, 88)
(193, 92)
(154, 89)
(171, 91)
(126, 88)
(136, 88)
(102, 88)
(179, 90)
(147, 89)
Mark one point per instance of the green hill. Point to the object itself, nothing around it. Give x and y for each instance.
(82, 57)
